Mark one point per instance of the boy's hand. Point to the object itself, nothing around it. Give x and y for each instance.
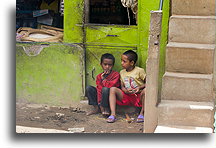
(102, 76)
(133, 91)
(105, 73)
(129, 91)
(136, 90)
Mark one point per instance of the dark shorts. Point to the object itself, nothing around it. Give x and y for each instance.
(91, 94)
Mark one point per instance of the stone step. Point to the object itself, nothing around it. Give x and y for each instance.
(182, 129)
(190, 58)
(193, 7)
(186, 113)
(192, 29)
(187, 87)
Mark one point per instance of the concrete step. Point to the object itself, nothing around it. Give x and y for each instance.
(193, 7)
(182, 129)
(186, 113)
(192, 29)
(190, 58)
(187, 87)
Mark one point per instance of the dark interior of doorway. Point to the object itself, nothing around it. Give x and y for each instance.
(26, 8)
(109, 12)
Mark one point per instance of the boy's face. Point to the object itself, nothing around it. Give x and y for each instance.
(126, 64)
(107, 65)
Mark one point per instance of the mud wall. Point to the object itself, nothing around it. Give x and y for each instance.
(55, 76)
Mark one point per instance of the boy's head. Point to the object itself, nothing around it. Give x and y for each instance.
(107, 61)
(129, 59)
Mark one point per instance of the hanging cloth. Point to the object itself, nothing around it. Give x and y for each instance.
(133, 5)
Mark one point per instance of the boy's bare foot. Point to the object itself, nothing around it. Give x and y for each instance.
(95, 111)
(105, 114)
(102, 109)
(105, 111)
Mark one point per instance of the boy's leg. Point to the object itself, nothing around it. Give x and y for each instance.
(142, 99)
(115, 93)
(91, 94)
(105, 101)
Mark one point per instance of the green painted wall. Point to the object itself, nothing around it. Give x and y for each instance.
(55, 76)
(74, 30)
(164, 38)
(144, 21)
(73, 20)
(111, 35)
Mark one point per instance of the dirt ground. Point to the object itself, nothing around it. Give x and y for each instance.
(64, 118)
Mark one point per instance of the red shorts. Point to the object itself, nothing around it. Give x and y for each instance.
(130, 100)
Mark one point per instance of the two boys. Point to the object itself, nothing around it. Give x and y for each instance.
(132, 89)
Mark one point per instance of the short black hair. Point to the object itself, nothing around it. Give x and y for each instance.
(108, 56)
(132, 56)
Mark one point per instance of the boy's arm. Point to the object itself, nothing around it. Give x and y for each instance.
(114, 81)
(99, 87)
(125, 90)
(140, 88)
(99, 81)
(144, 85)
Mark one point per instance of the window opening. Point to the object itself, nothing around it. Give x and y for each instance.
(28, 13)
(120, 12)
(33, 15)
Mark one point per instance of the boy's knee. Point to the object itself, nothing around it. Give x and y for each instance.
(142, 92)
(112, 89)
(90, 88)
(105, 89)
